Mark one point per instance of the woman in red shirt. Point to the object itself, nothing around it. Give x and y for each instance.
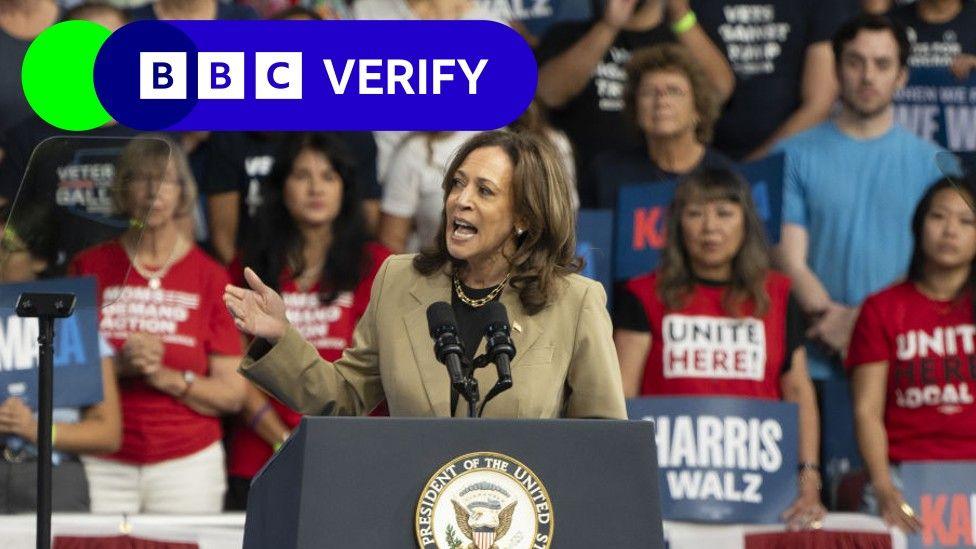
(314, 244)
(177, 346)
(912, 359)
(715, 320)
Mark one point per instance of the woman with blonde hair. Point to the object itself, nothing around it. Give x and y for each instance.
(177, 347)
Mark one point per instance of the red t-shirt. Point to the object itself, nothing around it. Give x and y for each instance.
(931, 354)
(328, 327)
(702, 350)
(188, 314)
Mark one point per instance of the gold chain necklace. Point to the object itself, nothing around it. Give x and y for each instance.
(484, 300)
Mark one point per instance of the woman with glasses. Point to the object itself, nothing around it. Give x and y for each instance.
(28, 252)
(177, 347)
(673, 104)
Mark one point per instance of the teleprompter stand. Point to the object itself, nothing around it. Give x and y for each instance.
(45, 308)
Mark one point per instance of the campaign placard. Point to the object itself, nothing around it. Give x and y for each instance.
(724, 460)
(943, 495)
(642, 212)
(594, 243)
(77, 360)
(937, 106)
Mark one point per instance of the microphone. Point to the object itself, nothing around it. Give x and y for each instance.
(499, 348)
(447, 344)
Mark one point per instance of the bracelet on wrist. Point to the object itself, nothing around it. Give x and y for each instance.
(256, 418)
(807, 466)
(685, 24)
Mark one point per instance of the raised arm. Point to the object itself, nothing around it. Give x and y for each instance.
(711, 58)
(564, 76)
(290, 368)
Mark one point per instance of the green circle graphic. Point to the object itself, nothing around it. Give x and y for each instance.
(58, 75)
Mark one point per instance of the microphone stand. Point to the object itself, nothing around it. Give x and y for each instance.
(45, 308)
(471, 393)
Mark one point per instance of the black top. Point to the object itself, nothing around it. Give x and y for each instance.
(612, 170)
(629, 314)
(936, 44)
(593, 120)
(242, 161)
(766, 44)
(13, 104)
(471, 320)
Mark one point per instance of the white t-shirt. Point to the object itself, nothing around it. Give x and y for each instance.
(412, 186)
(400, 10)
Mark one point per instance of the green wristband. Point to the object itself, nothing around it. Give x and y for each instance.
(684, 24)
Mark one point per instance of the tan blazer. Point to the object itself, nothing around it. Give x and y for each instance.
(565, 363)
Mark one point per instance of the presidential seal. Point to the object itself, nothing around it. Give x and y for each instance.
(484, 500)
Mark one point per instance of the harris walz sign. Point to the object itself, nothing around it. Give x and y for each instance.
(723, 460)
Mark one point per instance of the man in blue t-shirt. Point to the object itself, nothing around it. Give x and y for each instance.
(851, 186)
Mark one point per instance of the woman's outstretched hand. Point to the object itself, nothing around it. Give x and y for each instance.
(260, 311)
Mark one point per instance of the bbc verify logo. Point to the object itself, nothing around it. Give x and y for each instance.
(368, 75)
(163, 75)
(278, 75)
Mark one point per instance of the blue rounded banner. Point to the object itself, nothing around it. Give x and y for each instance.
(315, 75)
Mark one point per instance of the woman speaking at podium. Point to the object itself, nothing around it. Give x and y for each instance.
(508, 235)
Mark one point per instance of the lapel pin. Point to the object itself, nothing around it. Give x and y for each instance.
(517, 326)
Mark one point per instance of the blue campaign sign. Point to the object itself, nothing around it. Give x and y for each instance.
(538, 15)
(937, 106)
(724, 460)
(594, 243)
(943, 495)
(77, 360)
(642, 209)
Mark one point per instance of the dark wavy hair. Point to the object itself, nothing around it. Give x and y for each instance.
(871, 22)
(676, 280)
(278, 243)
(36, 227)
(966, 186)
(542, 197)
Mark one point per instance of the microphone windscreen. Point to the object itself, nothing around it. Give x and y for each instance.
(496, 314)
(440, 315)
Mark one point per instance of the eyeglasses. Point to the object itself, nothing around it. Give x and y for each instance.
(153, 184)
(670, 91)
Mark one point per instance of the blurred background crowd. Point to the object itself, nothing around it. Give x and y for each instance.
(867, 294)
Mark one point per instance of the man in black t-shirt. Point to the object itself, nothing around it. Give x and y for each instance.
(238, 166)
(942, 33)
(581, 74)
(780, 52)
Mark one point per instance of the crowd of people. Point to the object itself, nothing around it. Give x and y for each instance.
(871, 280)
